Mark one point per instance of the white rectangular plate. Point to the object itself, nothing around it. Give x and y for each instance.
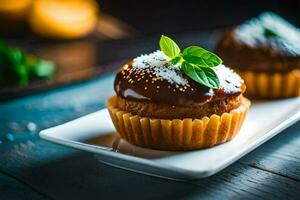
(96, 133)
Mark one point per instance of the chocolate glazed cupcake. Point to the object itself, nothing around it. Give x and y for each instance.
(157, 106)
(265, 51)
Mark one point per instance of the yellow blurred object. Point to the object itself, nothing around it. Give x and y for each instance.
(66, 19)
(14, 10)
(13, 15)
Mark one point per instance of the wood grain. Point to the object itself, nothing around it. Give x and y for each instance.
(11, 188)
(280, 155)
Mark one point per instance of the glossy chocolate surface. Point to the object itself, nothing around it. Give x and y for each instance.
(151, 85)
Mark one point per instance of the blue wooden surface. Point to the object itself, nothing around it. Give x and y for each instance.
(42, 170)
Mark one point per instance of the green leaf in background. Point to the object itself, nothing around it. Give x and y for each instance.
(270, 33)
(205, 76)
(12, 67)
(168, 47)
(18, 68)
(201, 57)
(18, 64)
(44, 69)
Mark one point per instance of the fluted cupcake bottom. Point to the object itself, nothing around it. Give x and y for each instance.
(271, 86)
(178, 134)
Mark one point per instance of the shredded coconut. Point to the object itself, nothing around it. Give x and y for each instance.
(252, 32)
(229, 80)
(158, 63)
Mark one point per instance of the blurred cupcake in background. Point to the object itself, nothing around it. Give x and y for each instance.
(265, 51)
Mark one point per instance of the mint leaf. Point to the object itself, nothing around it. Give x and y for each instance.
(201, 57)
(176, 60)
(168, 47)
(44, 68)
(212, 77)
(19, 68)
(270, 33)
(195, 62)
(203, 75)
(23, 74)
(12, 67)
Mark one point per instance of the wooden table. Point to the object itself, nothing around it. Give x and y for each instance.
(32, 168)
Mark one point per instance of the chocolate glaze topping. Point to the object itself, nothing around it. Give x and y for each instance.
(149, 78)
(267, 43)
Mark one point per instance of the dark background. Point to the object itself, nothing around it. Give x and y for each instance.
(172, 16)
(186, 21)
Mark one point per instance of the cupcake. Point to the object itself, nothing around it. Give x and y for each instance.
(265, 51)
(173, 100)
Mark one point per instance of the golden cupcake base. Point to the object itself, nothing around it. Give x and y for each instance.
(178, 134)
(272, 86)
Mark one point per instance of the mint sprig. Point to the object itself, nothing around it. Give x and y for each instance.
(201, 57)
(19, 68)
(169, 47)
(195, 62)
(269, 33)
